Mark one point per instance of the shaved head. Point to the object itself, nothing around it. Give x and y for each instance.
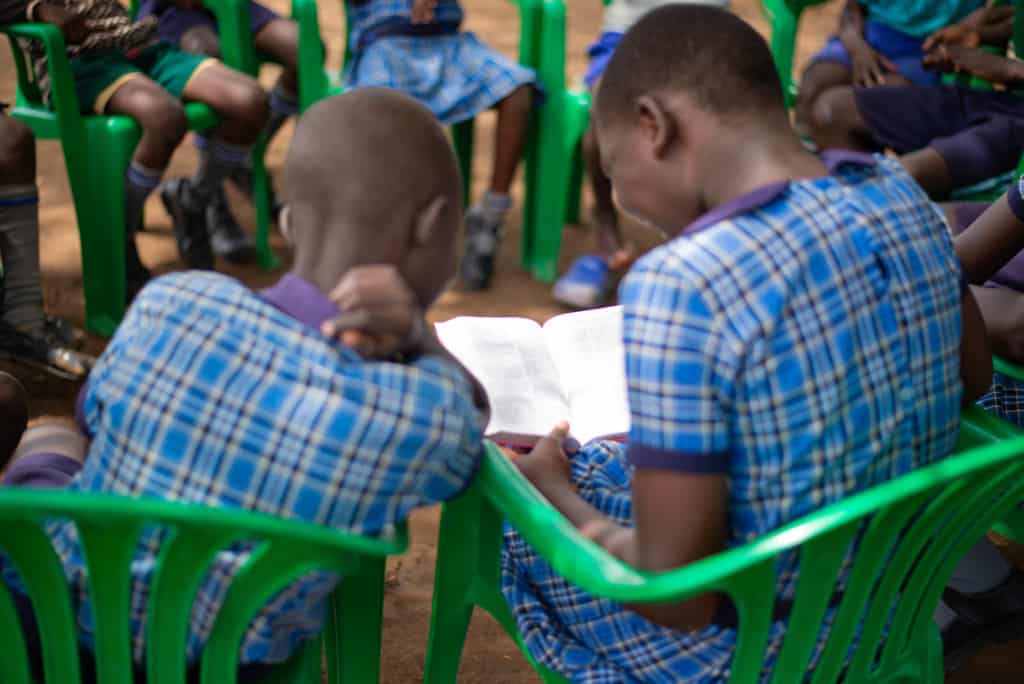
(362, 169)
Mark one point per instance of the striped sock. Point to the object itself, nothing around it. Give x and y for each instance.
(283, 104)
(216, 163)
(139, 183)
(22, 288)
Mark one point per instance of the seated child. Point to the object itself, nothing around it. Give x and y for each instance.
(950, 136)
(121, 67)
(27, 334)
(237, 399)
(797, 340)
(590, 278)
(417, 47)
(882, 42)
(186, 24)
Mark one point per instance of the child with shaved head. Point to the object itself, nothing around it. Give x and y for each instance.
(215, 394)
(800, 337)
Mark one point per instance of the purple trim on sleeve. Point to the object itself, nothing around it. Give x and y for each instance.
(713, 463)
(1015, 198)
(80, 411)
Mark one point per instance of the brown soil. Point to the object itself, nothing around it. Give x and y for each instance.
(490, 656)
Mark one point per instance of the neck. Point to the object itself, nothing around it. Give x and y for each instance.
(752, 156)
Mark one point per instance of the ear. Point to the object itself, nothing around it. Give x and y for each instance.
(428, 221)
(284, 224)
(658, 126)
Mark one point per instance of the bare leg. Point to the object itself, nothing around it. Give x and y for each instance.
(510, 137)
(930, 170)
(237, 98)
(836, 122)
(606, 218)
(816, 79)
(1003, 312)
(161, 117)
(280, 40)
(13, 415)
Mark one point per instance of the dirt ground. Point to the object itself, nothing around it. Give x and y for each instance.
(490, 656)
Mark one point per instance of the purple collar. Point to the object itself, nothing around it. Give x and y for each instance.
(765, 194)
(301, 300)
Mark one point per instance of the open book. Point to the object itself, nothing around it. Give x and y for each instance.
(571, 368)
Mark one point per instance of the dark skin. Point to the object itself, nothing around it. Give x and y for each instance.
(836, 122)
(513, 118)
(868, 67)
(382, 258)
(13, 415)
(984, 248)
(672, 161)
(17, 153)
(237, 98)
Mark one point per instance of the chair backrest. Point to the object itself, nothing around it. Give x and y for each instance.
(909, 534)
(108, 529)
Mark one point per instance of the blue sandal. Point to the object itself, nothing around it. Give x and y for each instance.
(587, 283)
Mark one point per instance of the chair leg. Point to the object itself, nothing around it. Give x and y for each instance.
(261, 197)
(455, 575)
(462, 138)
(99, 205)
(784, 22)
(548, 161)
(353, 636)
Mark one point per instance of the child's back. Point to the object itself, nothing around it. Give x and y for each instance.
(797, 341)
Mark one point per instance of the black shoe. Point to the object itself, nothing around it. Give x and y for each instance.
(227, 238)
(43, 354)
(991, 617)
(190, 230)
(482, 238)
(241, 178)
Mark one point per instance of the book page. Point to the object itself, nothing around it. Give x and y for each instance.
(510, 358)
(587, 349)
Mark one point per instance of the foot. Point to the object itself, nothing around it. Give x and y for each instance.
(241, 178)
(190, 230)
(44, 354)
(991, 617)
(227, 238)
(482, 238)
(585, 285)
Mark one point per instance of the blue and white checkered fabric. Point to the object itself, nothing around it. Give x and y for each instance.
(1005, 399)
(364, 17)
(454, 75)
(807, 348)
(209, 394)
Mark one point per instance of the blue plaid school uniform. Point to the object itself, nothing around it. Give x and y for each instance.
(451, 72)
(209, 393)
(803, 341)
(1005, 398)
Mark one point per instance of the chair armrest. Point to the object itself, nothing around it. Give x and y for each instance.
(312, 79)
(1008, 368)
(235, 29)
(63, 99)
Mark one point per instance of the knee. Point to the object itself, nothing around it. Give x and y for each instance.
(519, 101)
(201, 40)
(163, 119)
(247, 105)
(17, 151)
(826, 116)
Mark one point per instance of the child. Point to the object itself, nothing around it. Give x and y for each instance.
(238, 400)
(120, 67)
(950, 136)
(881, 42)
(187, 25)
(27, 334)
(590, 278)
(797, 340)
(417, 47)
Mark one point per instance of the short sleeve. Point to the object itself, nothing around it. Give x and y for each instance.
(679, 371)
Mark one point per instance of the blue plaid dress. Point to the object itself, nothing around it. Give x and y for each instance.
(208, 393)
(804, 341)
(452, 73)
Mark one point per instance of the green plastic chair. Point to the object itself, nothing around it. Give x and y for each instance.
(542, 38)
(97, 151)
(784, 19)
(108, 528)
(926, 520)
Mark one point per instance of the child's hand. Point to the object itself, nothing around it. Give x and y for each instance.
(72, 25)
(380, 316)
(973, 61)
(423, 11)
(870, 67)
(957, 34)
(547, 465)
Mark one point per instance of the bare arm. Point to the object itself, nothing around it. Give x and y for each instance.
(851, 25)
(975, 354)
(991, 241)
